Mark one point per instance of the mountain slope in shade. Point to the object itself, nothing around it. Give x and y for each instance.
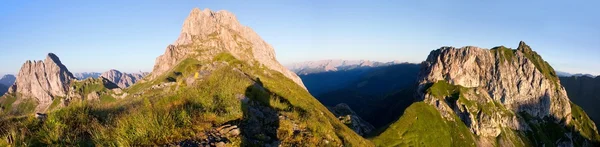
(585, 92)
(501, 97)
(123, 80)
(374, 93)
(85, 75)
(43, 81)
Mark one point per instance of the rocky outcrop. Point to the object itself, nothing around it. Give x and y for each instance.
(351, 119)
(206, 33)
(123, 80)
(43, 81)
(310, 67)
(85, 75)
(490, 89)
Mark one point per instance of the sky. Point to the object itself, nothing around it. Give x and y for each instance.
(95, 36)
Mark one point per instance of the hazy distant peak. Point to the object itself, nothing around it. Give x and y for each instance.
(308, 67)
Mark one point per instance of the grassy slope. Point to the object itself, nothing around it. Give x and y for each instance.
(170, 115)
(422, 125)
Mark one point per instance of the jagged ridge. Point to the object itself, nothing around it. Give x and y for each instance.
(504, 96)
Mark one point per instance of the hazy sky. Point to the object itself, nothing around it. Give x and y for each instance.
(129, 35)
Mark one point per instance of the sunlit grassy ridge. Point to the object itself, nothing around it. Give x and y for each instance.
(422, 119)
(187, 109)
(422, 125)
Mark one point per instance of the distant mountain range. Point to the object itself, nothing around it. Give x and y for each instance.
(85, 75)
(5, 82)
(566, 74)
(308, 67)
(123, 80)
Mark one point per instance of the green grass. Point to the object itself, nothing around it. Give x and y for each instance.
(422, 125)
(7, 101)
(505, 54)
(26, 106)
(583, 124)
(226, 57)
(540, 64)
(55, 103)
(442, 89)
(181, 112)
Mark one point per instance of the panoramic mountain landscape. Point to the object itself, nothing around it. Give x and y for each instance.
(213, 81)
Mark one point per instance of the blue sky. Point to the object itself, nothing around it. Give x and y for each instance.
(129, 35)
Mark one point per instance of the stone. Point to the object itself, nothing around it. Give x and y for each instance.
(93, 96)
(351, 119)
(123, 80)
(43, 81)
(220, 144)
(510, 80)
(206, 33)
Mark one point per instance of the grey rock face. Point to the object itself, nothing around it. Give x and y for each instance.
(43, 81)
(207, 33)
(123, 80)
(514, 82)
(351, 119)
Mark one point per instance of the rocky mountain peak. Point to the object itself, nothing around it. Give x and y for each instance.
(43, 81)
(207, 33)
(524, 47)
(123, 80)
(518, 81)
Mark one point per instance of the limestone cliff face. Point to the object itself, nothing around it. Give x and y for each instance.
(207, 33)
(43, 81)
(123, 80)
(511, 81)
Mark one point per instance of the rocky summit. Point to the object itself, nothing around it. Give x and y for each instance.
(207, 33)
(123, 80)
(42, 81)
(498, 96)
(517, 79)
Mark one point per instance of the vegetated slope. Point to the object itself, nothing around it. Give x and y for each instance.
(205, 96)
(504, 97)
(585, 92)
